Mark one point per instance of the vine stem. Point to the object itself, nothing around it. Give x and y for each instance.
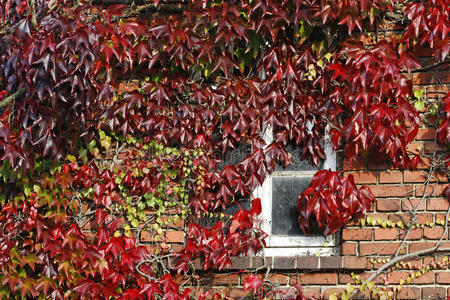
(7, 100)
(399, 259)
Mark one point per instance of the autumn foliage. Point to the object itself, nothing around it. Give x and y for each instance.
(210, 79)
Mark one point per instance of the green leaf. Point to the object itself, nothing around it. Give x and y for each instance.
(106, 142)
(418, 93)
(419, 105)
(101, 134)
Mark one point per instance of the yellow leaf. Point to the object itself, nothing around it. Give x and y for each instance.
(106, 142)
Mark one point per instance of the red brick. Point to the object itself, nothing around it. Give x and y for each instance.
(236, 293)
(425, 163)
(280, 278)
(441, 217)
(179, 279)
(287, 292)
(409, 292)
(404, 218)
(437, 204)
(310, 292)
(243, 262)
(244, 277)
(377, 216)
(331, 262)
(433, 233)
(385, 234)
(220, 279)
(423, 218)
(414, 176)
(396, 276)
(406, 204)
(176, 248)
(359, 234)
(392, 190)
(345, 278)
(433, 292)
(332, 291)
(146, 236)
(443, 277)
(425, 134)
(414, 234)
(388, 204)
(429, 78)
(174, 236)
(354, 262)
(84, 207)
(307, 262)
(431, 147)
(366, 39)
(426, 278)
(128, 85)
(432, 190)
(429, 260)
(319, 278)
(282, 262)
(391, 177)
(414, 247)
(364, 177)
(349, 248)
(415, 148)
(379, 248)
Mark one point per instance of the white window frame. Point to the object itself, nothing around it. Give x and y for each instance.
(307, 245)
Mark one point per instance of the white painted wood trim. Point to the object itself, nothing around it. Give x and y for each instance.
(293, 245)
(295, 251)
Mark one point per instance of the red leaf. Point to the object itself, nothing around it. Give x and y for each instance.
(256, 207)
(253, 282)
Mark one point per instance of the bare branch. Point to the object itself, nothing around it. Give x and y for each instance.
(8, 100)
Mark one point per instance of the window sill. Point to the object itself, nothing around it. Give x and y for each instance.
(299, 263)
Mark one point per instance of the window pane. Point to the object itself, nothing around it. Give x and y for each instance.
(210, 221)
(285, 191)
(297, 163)
(233, 157)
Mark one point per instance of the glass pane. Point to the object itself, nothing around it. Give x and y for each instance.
(233, 157)
(209, 221)
(285, 192)
(297, 163)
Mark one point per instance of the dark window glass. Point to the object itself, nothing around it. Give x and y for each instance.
(297, 163)
(233, 157)
(209, 221)
(285, 192)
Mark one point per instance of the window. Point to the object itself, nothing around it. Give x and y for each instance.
(279, 194)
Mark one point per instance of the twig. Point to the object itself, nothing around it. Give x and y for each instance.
(401, 258)
(6, 101)
(429, 67)
(426, 183)
(445, 227)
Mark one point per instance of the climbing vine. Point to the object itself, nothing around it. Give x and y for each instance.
(115, 122)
